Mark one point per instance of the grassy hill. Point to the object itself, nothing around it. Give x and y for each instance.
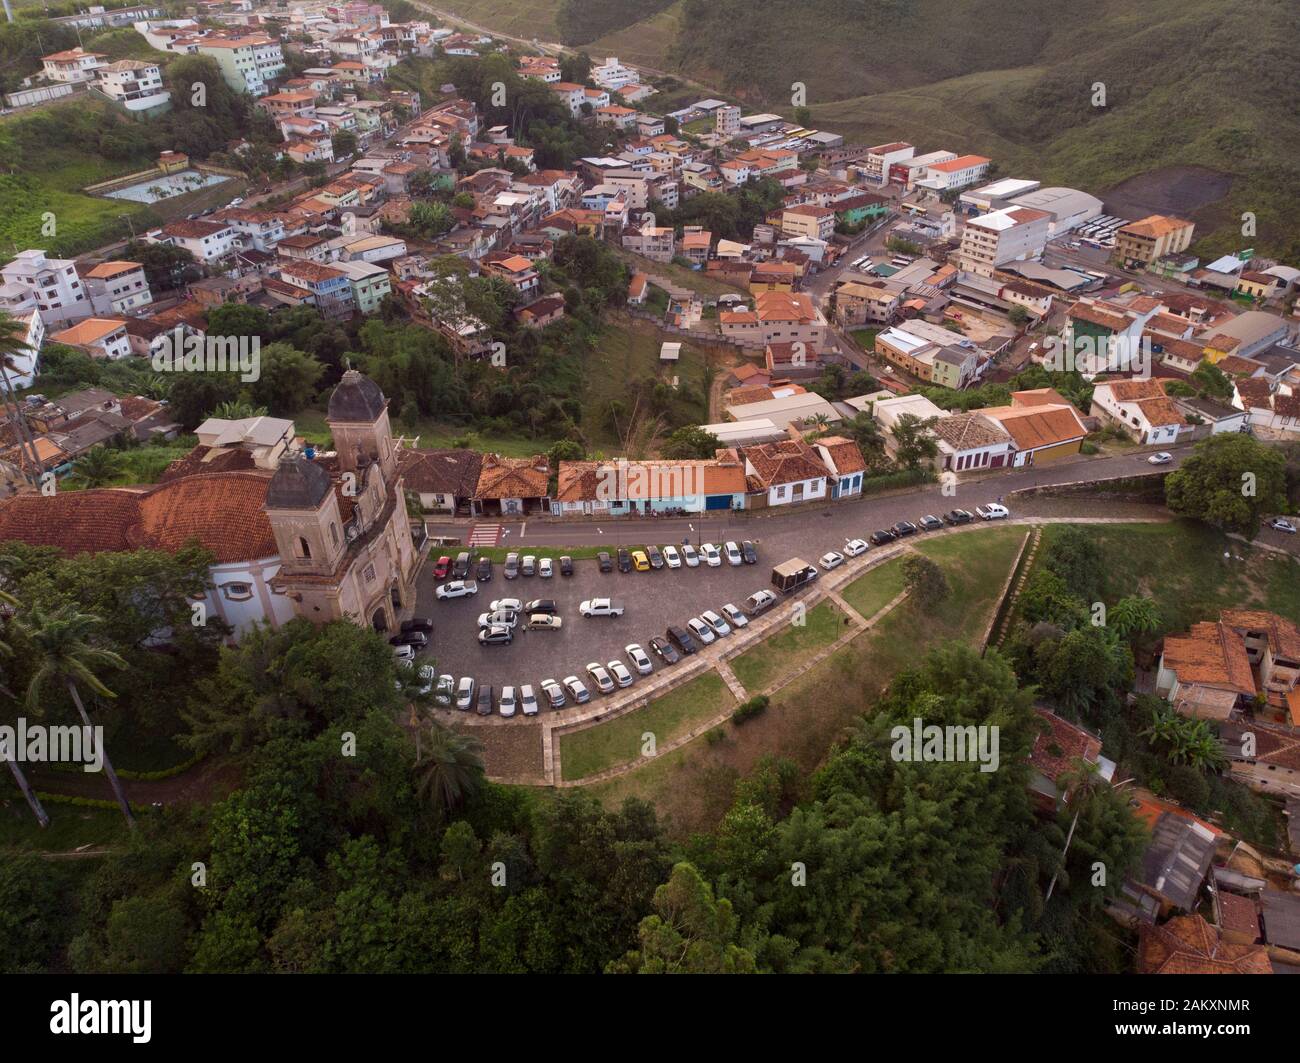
(518, 18)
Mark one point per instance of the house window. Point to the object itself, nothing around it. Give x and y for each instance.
(237, 592)
(304, 548)
(370, 573)
(334, 533)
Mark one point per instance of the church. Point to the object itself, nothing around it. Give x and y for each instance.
(292, 532)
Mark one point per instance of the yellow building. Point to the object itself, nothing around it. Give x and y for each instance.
(1153, 238)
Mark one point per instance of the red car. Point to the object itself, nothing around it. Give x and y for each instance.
(442, 569)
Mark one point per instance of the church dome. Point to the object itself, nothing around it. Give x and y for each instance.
(357, 399)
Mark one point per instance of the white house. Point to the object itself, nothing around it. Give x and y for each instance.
(786, 472)
(206, 240)
(71, 67)
(117, 287)
(1140, 407)
(50, 285)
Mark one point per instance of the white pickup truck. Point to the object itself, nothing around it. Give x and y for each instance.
(601, 607)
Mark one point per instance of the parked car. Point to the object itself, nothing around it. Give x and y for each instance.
(512, 565)
(735, 617)
(1160, 458)
(638, 657)
(831, 559)
(442, 567)
(760, 602)
(484, 706)
(456, 589)
(529, 566)
(733, 554)
(425, 677)
(499, 618)
(992, 511)
(554, 693)
(566, 565)
(620, 673)
(959, 516)
(603, 560)
(527, 700)
(656, 558)
(665, 650)
(544, 622)
(671, 557)
(1282, 524)
(444, 691)
(418, 623)
(513, 604)
(404, 653)
(682, 640)
(855, 547)
(460, 567)
(577, 690)
(885, 535)
(506, 703)
(711, 556)
(484, 570)
(700, 630)
(749, 552)
(930, 522)
(544, 569)
(599, 676)
(465, 693)
(689, 555)
(624, 560)
(497, 635)
(720, 627)
(904, 528)
(601, 607)
(640, 561)
(541, 605)
(418, 639)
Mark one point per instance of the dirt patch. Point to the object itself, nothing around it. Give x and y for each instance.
(512, 751)
(1178, 190)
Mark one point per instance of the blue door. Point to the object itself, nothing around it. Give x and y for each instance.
(717, 502)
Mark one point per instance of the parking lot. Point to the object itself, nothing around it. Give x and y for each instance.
(653, 600)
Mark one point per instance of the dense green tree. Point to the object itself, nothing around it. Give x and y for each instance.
(1230, 481)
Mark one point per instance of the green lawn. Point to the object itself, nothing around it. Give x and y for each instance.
(876, 588)
(696, 280)
(619, 741)
(70, 826)
(433, 435)
(865, 338)
(778, 655)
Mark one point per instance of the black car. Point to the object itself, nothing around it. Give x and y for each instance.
(656, 558)
(930, 522)
(460, 567)
(485, 570)
(484, 707)
(418, 623)
(682, 639)
(409, 638)
(624, 560)
(902, 528)
(606, 565)
(885, 535)
(959, 516)
(566, 565)
(541, 605)
(749, 553)
(665, 650)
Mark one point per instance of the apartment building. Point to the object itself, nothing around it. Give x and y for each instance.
(72, 67)
(726, 122)
(806, 220)
(117, 288)
(611, 74)
(133, 84)
(859, 303)
(955, 173)
(50, 286)
(1152, 238)
(370, 283)
(331, 286)
(655, 242)
(248, 64)
(1012, 234)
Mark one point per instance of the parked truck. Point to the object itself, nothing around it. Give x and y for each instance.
(601, 607)
(793, 574)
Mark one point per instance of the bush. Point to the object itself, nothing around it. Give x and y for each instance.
(755, 706)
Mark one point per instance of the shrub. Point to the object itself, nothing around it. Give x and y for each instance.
(755, 706)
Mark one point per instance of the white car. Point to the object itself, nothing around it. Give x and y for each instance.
(639, 659)
(831, 559)
(733, 554)
(1160, 458)
(734, 615)
(507, 704)
(689, 555)
(620, 673)
(501, 618)
(465, 694)
(720, 626)
(404, 654)
(458, 588)
(671, 557)
(527, 700)
(1282, 525)
(711, 556)
(854, 547)
(544, 568)
(992, 511)
(701, 630)
(576, 689)
(554, 693)
(600, 677)
(513, 604)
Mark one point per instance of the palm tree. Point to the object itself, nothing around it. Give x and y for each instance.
(15, 768)
(97, 467)
(238, 410)
(450, 770)
(410, 688)
(12, 344)
(65, 655)
(1082, 782)
(1135, 615)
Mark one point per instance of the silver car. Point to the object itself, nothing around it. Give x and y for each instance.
(640, 660)
(465, 693)
(720, 626)
(527, 700)
(507, 704)
(620, 673)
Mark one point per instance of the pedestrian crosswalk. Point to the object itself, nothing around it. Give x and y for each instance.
(485, 535)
